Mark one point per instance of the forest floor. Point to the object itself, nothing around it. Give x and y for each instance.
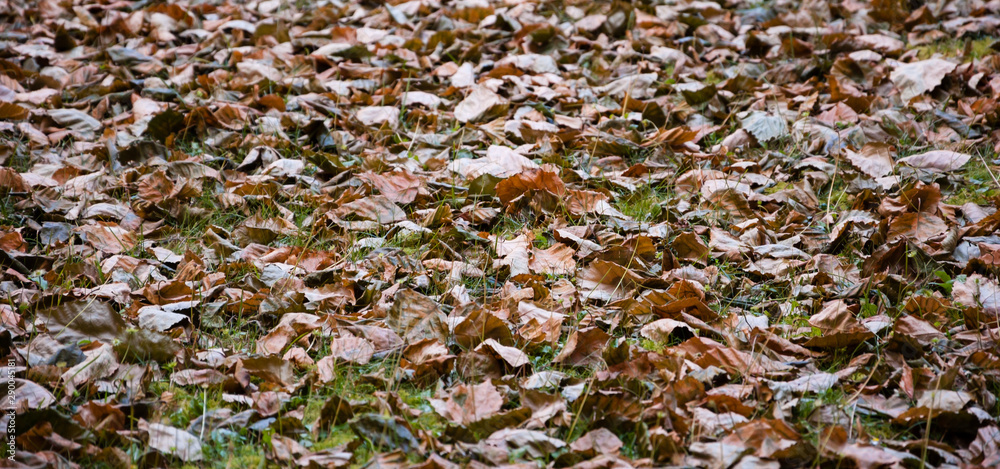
(478, 233)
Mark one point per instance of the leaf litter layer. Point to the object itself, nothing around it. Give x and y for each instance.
(481, 233)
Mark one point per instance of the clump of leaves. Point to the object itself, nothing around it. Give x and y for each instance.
(304, 234)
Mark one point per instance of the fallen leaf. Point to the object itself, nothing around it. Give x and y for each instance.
(351, 349)
(765, 127)
(174, 442)
(874, 159)
(916, 78)
(938, 161)
(481, 104)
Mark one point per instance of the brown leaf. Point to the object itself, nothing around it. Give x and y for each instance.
(480, 325)
(173, 441)
(537, 444)
(839, 113)
(599, 441)
(712, 353)
(921, 331)
(938, 161)
(529, 180)
(864, 456)
(415, 317)
(606, 281)
(916, 78)
(556, 260)
(835, 316)
(13, 112)
(513, 356)
(32, 396)
(662, 330)
(401, 187)
(584, 348)
(271, 368)
(467, 404)
(481, 104)
(919, 226)
(690, 247)
(109, 238)
(377, 208)
(78, 121)
(944, 400)
(378, 116)
(99, 362)
(100, 417)
(874, 159)
(351, 349)
(980, 294)
(11, 181)
(74, 321)
(262, 230)
(501, 162)
(581, 203)
(208, 377)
